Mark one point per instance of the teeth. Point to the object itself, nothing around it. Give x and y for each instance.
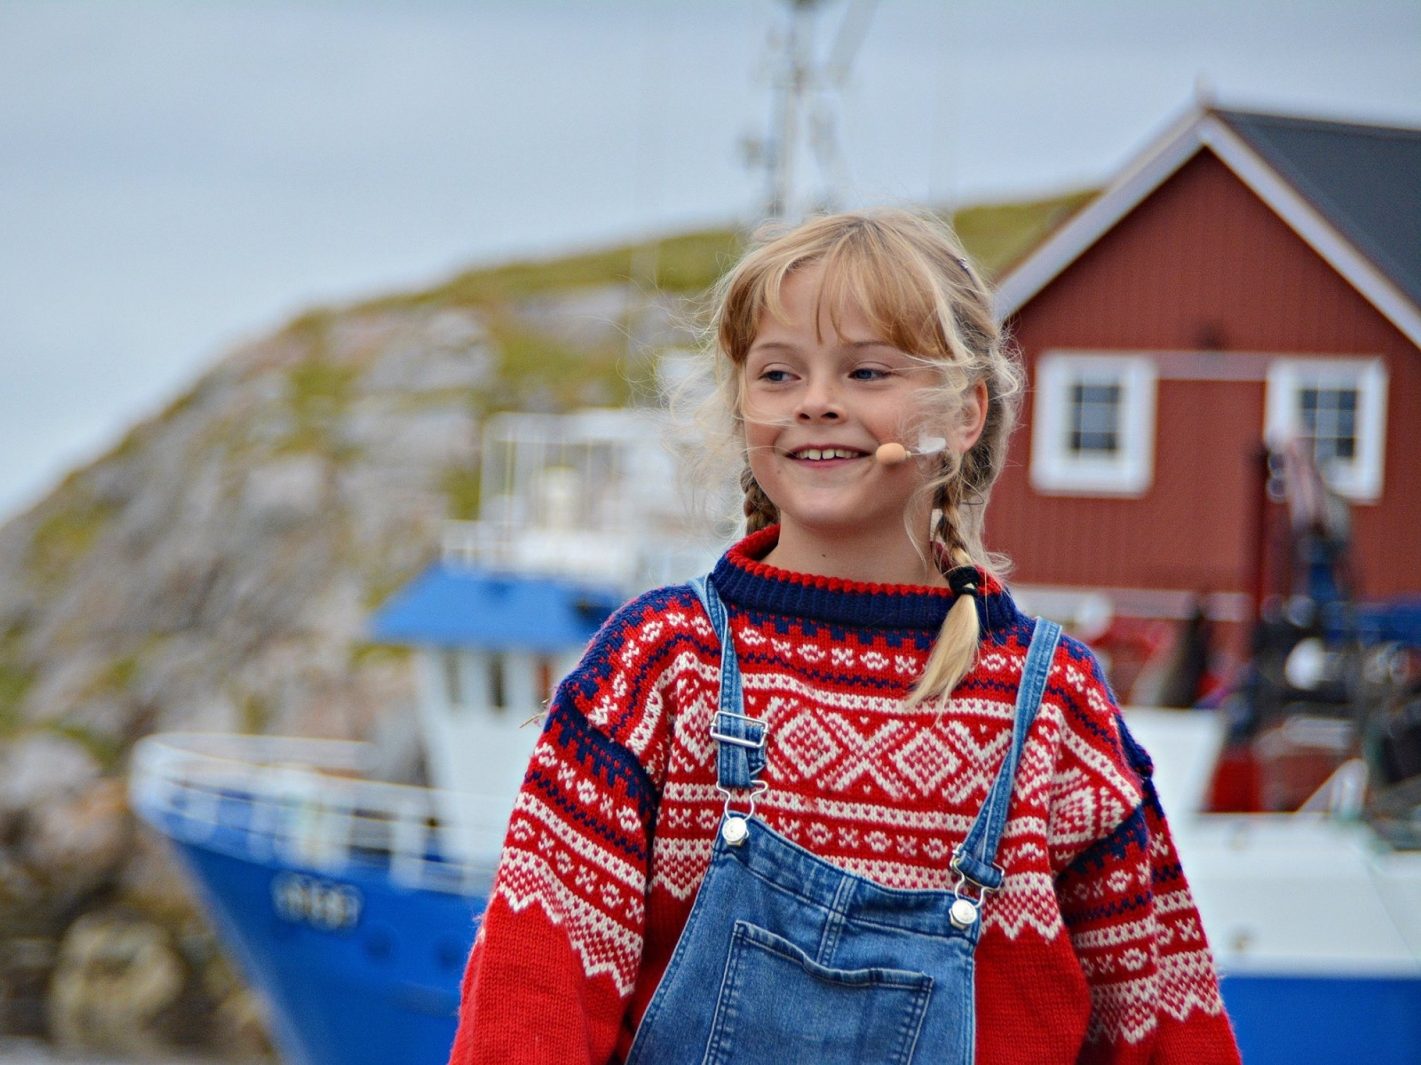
(815, 454)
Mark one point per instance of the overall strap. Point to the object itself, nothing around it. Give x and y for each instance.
(975, 860)
(740, 740)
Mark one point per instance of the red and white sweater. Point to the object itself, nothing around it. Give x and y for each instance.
(1092, 950)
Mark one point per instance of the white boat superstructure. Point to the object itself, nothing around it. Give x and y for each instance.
(578, 513)
(594, 495)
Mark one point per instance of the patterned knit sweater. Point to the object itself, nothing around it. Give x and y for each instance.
(1091, 951)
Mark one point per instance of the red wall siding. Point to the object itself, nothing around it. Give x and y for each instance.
(1203, 264)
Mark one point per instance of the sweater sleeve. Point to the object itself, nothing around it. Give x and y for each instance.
(1133, 923)
(560, 942)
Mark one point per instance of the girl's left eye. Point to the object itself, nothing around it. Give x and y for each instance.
(870, 373)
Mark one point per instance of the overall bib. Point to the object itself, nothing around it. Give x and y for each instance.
(789, 960)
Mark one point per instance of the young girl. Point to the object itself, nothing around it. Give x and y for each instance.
(841, 801)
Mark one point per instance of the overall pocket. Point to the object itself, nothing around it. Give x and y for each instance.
(777, 1006)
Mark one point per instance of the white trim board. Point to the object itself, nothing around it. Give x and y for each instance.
(1199, 364)
(1171, 604)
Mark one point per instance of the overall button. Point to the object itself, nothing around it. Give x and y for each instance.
(735, 831)
(963, 913)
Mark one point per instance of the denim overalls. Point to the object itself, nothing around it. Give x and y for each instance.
(789, 960)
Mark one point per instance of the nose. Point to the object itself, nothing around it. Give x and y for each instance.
(819, 401)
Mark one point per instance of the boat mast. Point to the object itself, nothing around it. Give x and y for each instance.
(804, 106)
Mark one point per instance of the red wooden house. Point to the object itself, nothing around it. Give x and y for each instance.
(1248, 277)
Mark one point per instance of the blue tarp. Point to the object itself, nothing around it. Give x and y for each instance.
(449, 606)
(1396, 621)
(1374, 621)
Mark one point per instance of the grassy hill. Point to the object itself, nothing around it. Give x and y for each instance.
(996, 235)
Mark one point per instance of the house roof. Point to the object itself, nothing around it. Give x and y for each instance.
(454, 606)
(1365, 179)
(1351, 191)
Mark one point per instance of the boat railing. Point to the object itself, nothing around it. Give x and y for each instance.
(301, 801)
(635, 555)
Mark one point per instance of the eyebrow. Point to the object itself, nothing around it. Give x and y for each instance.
(782, 345)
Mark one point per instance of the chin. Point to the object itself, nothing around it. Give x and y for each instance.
(847, 524)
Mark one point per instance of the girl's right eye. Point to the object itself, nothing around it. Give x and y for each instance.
(774, 376)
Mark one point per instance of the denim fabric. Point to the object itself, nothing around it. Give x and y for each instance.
(741, 740)
(789, 960)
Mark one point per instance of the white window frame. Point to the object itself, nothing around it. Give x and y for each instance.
(1055, 468)
(1359, 479)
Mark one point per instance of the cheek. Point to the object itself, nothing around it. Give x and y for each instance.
(760, 454)
(760, 424)
(763, 459)
(931, 423)
(757, 415)
(757, 433)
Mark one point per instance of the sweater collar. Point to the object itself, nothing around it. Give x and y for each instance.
(742, 578)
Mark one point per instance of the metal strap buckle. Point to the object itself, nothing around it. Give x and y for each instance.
(962, 879)
(738, 741)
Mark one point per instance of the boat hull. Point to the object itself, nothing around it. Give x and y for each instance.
(1319, 1020)
(338, 896)
(381, 986)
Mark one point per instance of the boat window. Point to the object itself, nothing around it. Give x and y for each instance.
(547, 676)
(453, 678)
(497, 681)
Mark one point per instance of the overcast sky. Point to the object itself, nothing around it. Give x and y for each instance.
(175, 177)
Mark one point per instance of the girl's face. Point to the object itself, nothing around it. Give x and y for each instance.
(817, 403)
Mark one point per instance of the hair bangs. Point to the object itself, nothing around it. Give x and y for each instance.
(865, 270)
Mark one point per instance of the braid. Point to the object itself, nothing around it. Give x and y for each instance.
(760, 512)
(955, 650)
(949, 524)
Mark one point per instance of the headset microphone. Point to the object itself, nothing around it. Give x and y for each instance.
(894, 453)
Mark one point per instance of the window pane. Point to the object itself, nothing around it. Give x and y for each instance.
(1329, 418)
(1094, 418)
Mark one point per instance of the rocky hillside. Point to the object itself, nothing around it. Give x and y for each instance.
(216, 569)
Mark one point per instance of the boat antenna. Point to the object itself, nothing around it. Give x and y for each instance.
(804, 95)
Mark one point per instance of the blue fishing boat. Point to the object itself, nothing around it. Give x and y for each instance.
(339, 897)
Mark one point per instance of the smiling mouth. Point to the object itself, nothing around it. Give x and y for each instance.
(825, 454)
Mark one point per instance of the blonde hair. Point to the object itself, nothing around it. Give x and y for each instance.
(909, 275)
